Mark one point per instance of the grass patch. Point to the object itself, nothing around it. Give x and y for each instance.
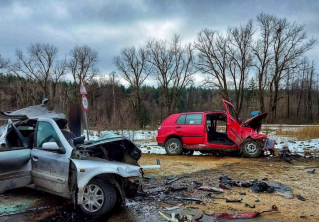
(303, 133)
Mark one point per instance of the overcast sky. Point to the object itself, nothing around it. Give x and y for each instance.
(108, 26)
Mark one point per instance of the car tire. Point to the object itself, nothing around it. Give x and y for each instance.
(99, 198)
(174, 146)
(188, 152)
(251, 148)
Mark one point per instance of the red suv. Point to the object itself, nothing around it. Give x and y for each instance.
(186, 132)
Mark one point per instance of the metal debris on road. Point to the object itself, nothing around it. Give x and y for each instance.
(301, 197)
(188, 198)
(262, 187)
(311, 171)
(211, 189)
(156, 189)
(250, 206)
(173, 180)
(234, 201)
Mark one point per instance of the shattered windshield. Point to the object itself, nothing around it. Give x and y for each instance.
(2, 128)
(107, 135)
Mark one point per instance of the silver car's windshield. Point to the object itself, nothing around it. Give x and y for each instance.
(2, 128)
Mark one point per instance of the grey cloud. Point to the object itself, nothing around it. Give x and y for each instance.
(108, 26)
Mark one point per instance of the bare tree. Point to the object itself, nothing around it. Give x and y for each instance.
(289, 45)
(83, 65)
(40, 64)
(240, 58)
(133, 68)
(212, 59)
(264, 54)
(173, 67)
(4, 63)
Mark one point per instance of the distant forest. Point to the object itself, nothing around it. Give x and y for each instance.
(258, 66)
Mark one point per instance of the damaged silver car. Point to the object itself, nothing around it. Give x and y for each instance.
(37, 151)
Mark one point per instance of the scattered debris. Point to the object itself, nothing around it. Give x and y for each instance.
(242, 184)
(311, 171)
(179, 187)
(262, 187)
(172, 180)
(303, 217)
(188, 198)
(156, 189)
(225, 179)
(301, 197)
(284, 155)
(242, 193)
(234, 201)
(250, 206)
(211, 189)
(226, 186)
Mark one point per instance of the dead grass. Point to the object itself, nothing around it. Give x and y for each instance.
(303, 133)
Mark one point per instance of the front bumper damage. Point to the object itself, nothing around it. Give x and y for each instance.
(123, 176)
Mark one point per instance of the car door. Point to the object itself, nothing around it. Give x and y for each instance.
(15, 162)
(190, 127)
(50, 168)
(233, 127)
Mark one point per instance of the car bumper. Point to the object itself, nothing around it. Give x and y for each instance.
(160, 140)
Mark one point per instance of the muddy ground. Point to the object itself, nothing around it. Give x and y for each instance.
(204, 170)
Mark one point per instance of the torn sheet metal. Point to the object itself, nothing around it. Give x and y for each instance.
(32, 112)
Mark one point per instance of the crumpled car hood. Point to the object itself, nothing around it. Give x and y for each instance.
(255, 122)
(31, 112)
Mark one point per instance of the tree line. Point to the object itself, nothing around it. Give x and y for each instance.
(260, 65)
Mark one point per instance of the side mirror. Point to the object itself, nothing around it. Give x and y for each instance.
(52, 146)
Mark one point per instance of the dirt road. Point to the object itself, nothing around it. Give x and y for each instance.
(204, 170)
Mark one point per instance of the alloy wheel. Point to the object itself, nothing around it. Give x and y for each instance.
(93, 198)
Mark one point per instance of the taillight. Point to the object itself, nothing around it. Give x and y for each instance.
(159, 127)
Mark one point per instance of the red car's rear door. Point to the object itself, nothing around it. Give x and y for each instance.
(233, 126)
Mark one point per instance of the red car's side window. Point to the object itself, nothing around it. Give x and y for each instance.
(190, 119)
(181, 119)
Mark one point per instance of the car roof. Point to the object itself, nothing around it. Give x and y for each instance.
(215, 111)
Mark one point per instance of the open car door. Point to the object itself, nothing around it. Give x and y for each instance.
(15, 159)
(233, 126)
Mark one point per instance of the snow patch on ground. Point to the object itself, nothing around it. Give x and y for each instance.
(302, 147)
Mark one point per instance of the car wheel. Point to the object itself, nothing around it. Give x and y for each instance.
(251, 148)
(99, 198)
(188, 152)
(174, 146)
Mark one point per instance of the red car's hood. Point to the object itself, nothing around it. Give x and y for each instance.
(255, 122)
